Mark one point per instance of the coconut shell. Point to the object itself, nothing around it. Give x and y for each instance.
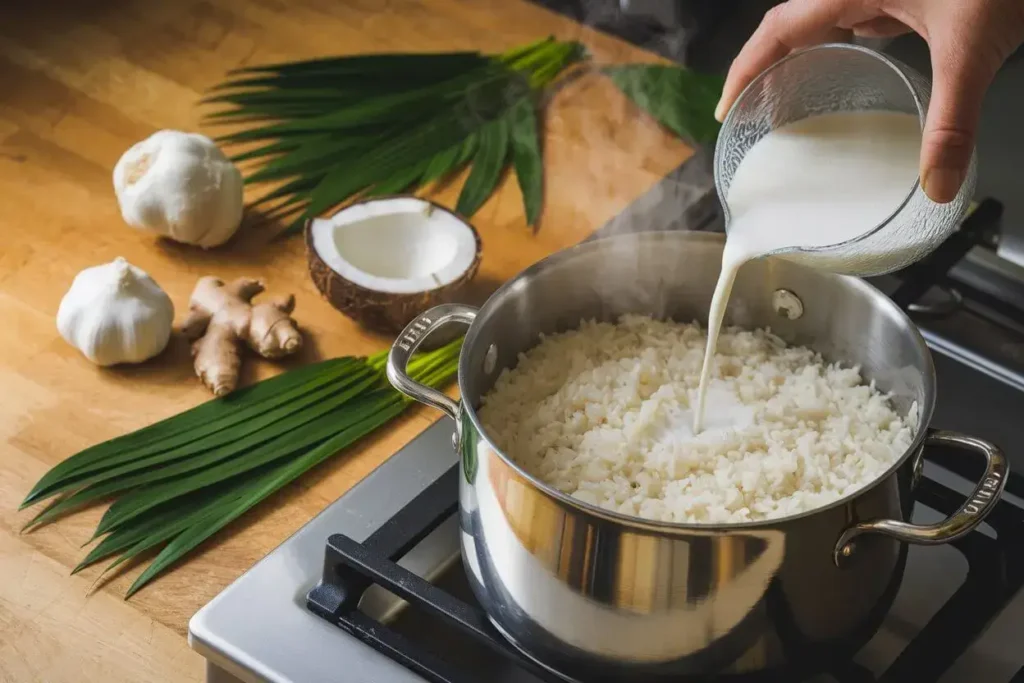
(384, 312)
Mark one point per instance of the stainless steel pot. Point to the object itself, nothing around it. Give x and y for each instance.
(590, 592)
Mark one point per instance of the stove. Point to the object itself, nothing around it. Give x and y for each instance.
(372, 590)
(323, 606)
(945, 612)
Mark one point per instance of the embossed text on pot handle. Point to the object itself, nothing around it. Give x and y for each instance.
(407, 343)
(977, 506)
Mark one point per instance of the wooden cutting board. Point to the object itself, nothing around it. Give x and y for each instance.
(82, 81)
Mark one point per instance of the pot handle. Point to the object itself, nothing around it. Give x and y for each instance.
(977, 506)
(407, 343)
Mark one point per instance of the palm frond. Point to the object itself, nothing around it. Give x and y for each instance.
(334, 129)
(487, 165)
(524, 137)
(680, 99)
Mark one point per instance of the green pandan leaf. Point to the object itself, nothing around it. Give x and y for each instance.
(178, 482)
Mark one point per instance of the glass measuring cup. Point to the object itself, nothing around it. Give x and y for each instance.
(840, 77)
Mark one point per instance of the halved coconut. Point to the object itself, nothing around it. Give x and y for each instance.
(384, 261)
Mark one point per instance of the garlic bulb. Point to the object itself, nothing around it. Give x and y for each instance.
(116, 313)
(181, 186)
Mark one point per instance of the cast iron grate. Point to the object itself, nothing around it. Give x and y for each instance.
(995, 573)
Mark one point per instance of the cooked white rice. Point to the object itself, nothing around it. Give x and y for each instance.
(602, 413)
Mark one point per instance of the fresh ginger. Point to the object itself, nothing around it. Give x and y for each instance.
(221, 316)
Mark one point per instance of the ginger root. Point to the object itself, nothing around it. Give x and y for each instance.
(222, 315)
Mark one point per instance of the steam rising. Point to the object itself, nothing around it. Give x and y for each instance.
(686, 199)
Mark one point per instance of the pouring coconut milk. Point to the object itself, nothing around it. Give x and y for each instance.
(817, 182)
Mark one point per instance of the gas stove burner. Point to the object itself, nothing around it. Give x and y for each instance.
(977, 229)
(995, 572)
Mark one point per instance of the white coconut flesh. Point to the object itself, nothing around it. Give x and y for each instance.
(397, 246)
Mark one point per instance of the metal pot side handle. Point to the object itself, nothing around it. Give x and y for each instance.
(407, 343)
(977, 506)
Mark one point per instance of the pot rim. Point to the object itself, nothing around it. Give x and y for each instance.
(889, 307)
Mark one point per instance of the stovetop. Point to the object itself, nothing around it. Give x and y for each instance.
(969, 304)
(443, 636)
(262, 629)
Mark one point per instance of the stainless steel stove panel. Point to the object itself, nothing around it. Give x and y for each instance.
(259, 629)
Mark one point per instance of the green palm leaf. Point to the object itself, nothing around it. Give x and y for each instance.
(443, 163)
(400, 181)
(319, 153)
(526, 157)
(380, 407)
(259, 490)
(203, 453)
(487, 166)
(295, 190)
(174, 489)
(398, 66)
(319, 426)
(337, 128)
(681, 100)
(241, 405)
(161, 524)
(376, 166)
(266, 151)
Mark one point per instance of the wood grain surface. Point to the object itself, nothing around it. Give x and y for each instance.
(79, 83)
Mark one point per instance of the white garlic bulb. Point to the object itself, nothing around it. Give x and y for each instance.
(181, 186)
(116, 313)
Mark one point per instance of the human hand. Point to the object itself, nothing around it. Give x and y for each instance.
(969, 40)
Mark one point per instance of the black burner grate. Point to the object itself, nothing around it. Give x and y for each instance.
(995, 573)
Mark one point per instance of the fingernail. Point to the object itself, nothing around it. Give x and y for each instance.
(942, 184)
(720, 111)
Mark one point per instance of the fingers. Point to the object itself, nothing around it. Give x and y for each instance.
(786, 27)
(881, 27)
(959, 84)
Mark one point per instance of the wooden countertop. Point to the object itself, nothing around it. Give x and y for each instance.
(79, 83)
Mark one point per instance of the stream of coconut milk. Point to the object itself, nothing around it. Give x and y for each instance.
(812, 183)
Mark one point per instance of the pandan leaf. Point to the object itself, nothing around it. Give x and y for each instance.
(387, 405)
(681, 100)
(226, 429)
(270, 96)
(216, 414)
(161, 524)
(487, 166)
(219, 446)
(179, 504)
(317, 424)
(260, 489)
(406, 66)
(526, 157)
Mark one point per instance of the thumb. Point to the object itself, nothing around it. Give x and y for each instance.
(947, 145)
